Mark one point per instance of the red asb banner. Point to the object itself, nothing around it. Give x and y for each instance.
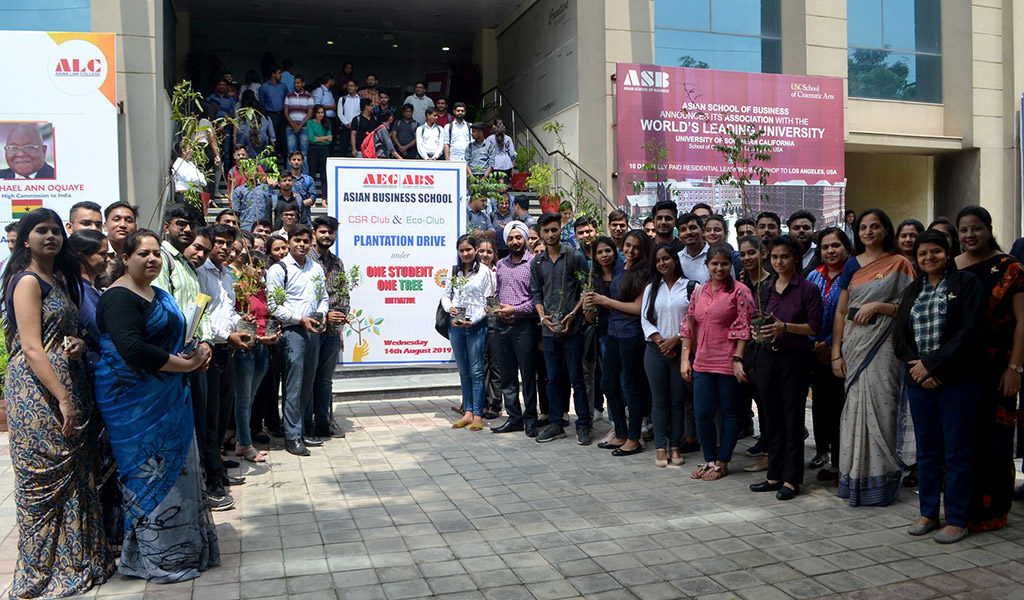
(688, 111)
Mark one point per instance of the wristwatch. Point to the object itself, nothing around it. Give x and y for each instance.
(1016, 368)
(737, 359)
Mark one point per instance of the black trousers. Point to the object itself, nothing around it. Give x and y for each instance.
(517, 344)
(826, 409)
(267, 400)
(492, 372)
(197, 382)
(220, 378)
(781, 377)
(279, 123)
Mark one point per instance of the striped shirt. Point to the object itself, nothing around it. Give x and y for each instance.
(179, 279)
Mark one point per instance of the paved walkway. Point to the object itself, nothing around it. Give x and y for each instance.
(406, 507)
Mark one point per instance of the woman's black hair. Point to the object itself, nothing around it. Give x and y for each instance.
(498, 129)
(84, 243)
(983, 216)
(951, 230)
(270, 243)
(718, 218)
(722, 249)
(639, 273)
(472, 241)
(910, 294)
(794, 247)
(657, 278)
(602, 239)
(839, 233)
(888, 241)
(64, 263)
(494, 248)
(756, 242)
(919, 226)
(129, 246)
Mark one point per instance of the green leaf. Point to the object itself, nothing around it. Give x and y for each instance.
(379, 321)
(359, 312)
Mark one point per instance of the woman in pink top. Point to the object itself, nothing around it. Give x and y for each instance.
(719, 317)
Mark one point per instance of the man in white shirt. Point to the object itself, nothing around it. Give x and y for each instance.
(695, 249)
(430, 137)
(420, 102)
(303, 282)
(457, 134)
(216, 282)
(348, 109)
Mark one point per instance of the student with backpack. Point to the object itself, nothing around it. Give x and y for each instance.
(379, 144)
(363, 125)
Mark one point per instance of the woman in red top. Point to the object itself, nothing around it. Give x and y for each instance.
(251, 363)
(719, 319)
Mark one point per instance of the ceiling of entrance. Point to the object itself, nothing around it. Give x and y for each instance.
(433, 16)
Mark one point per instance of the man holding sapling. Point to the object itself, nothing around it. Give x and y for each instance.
(319, 416)
(557, 299)
(299, 277)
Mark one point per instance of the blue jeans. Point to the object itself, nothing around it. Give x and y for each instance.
(319, 411)
(250, 366)
(300, 354)
(944, 432)
(469, 345)
(564, 354)
(711, 390)
(298, 141)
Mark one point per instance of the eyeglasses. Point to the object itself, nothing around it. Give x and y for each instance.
(30, 149)
(181, 223)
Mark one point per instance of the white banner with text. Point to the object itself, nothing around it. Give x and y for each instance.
(398, 222)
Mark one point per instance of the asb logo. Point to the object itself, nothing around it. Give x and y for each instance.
(77, 67)
(654, 81)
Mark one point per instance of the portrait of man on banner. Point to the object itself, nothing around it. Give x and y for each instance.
(28, 150)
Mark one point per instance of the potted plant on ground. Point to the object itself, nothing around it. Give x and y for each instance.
(523, 163)
(540, 181)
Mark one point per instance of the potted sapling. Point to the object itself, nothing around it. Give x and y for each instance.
(587, 284)
(319, 290)
(342, 288)
(278, 295)
(248, 283)
(493, 305)
(458, 284)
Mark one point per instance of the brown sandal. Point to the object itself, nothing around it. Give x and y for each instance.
(698, 473)
(715, 472)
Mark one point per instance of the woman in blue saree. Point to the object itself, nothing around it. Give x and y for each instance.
(144, 398)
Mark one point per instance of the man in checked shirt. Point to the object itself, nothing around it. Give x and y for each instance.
(517, 332)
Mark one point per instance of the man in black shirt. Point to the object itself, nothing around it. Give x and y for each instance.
(362, 125)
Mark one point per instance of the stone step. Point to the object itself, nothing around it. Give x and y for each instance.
(376, 382)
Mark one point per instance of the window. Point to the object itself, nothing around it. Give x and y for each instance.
(734, 35)
(895, 49)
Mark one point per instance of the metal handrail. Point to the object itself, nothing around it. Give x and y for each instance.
(532, 139)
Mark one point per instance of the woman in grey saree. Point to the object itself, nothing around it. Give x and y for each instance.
(872, 283)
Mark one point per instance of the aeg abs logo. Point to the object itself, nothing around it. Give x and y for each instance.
(646, 81)
(395, 180)
(77, 67)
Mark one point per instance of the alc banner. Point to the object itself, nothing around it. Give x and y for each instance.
(58, 122)
(688, 111)
(398, 221)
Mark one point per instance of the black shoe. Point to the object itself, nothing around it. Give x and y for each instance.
(322, 431)
(817, 462)
(756, 450)
(745, 433)
(219, 503)
(230, 464)
(807, 434)
(296, 447)
(531, 431)
(507, 427)
(787, 493)
(551, 433)
(335, 429)
(766, 486)
(621, 452)
(609, 446)
(689, 447)
(277, 432)
(312, 441)
(490, 415)
(231, 480)
(215, 488)
(261, 438)
(583, 436)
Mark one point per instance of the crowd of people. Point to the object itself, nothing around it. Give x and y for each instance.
(333, 116)
(126, 408)
(910, 341)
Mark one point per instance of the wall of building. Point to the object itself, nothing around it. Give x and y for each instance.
(900, 184)
(145, 130)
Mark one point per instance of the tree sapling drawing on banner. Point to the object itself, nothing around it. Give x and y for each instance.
(362, 324)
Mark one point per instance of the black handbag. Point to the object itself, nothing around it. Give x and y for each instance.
(442, 321)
